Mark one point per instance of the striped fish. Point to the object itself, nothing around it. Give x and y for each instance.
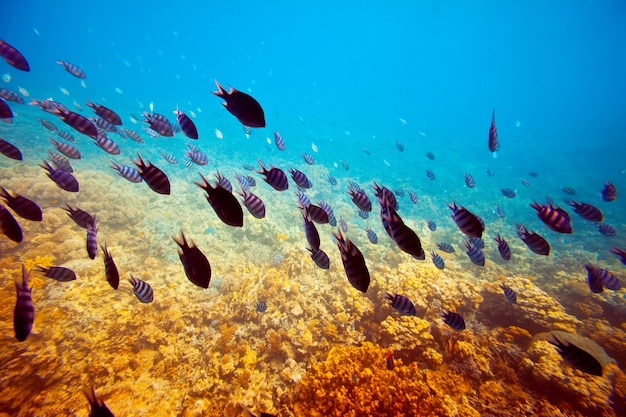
(9, 226)
(490, 172)
(13, 57)
(363, 214)
(533, 174)
(577, 357)
(225, 183)
(469, 181)
(92, 239)
(406, 239)
(243, 181)
(195, 263)
(142, 290)
(278, 140)
(493, 143)
(57, 273)
(620, 253)
(320, 258)
(188, 163)
(412, 197)
(197, 157)
(110, 269)
(503, 248)
(159, 124)
(22, 206)
(525, 182)
(73, 69)
(308, 158)
(103, 124)
(24, 313)
(76, 121)
(430, 155)
(223, 202)
(153, 176)
(107, 145)
(445, 247)
(48, 125)
(478, 242)
(432, 226)
(568, 190)
(345, 165)
(253, 203)
(9, 150)
(317, 214)
(275, 177)
(535, 242)
(466, 221)
(437, 260)
(353, 263)
(261, 307)
(430, 174)
(509, 294)
(80, 217)
(60, 162)
(499, 211)
(63, 179)
(11, 96)
(454, 320)
(555, 218)
(186, 125)
(332, 180)
(251, 180)
(6, 115)
(609, 192)
(132, 134)
(508, 192)
(587, 211)
(66, 149)
(66, 136)
(303, 199)
(476, 255)
(593, 279)
(169, 158)
(300, 178)
(402, 304)
(606, 229)
(371, 235)
(400, 146)
(360, 199)
(385, 196)
(329, 210)
(105, 113)
(343, 225)
(310, 231)
(129, 173)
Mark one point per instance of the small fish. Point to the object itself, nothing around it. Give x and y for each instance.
(577, 357)
(555, 218)
(432, 226)
(314, 147)
(57, 273)
(353, 263)
(73, 69)
(159, 124)
(332, 180)
(92, 239)
(478, 242)
(66, 149)
(63, 179)
(303, 199)
(320, 258)
(223, 202)
(219, 134)
(533, 174)
(9, 226)
(97, 406)
(371, 235)
(430, 155)
(466, 221)
(169, 158)
(275, 177)
(24, 313)
(278, 140)
(499, 211)
(153, 176)
(402, 304)
(400, 146)
(568, 190)
(508, 192)
(13, 57)
(22, 206)
(308, 158)
(261, 307)
(60, 162)
(587, 211)
(609, 192)
(142, 290)
(132, 134)
(106, 113)
(437, 260)
(300, 178)
(525, 182)
(503, 248)
(253, 203)
(363, 214)
(186, 124)
(345, 165)
(445, 247)
(509, 294)
(9, 150)
(360, 199)
(11, 96)
(80, 217)
(620, 253)
(225, 183)
(241, 105)
(343, 225)
(412, 197)
(66, 136)
(399, 192)
(536, 243)
(493, 143)
(606, 229)
(469, 181)
(195, 263)
(454, 320)
(476, 255)
(389, 361)
(490, 172)
(310, 231)
(129, 173)
(430, 174)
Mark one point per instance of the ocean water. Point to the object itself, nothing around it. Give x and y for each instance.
(341, 82)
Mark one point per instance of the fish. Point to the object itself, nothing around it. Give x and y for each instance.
(508, 192)
(402, 304)
(60, 162)
(525, 182)
(278, 140)
(608, 279)
(385, 196)
(129, 173)
(310, 231)
(132, 134)
(533, 174)
(620, 253)
(13, 57)
(329, 211)
(317, 214)
(79, 123)
(406, 239)
(568, 190)
(432, 226)
(223, 202)
(587, 211)
(57, 273)
(110, 269)
(142, 290)
(159, 124)
(49, 105)
(106, 113)
(437, 260)
(478, 242)
(509, 294)
(493, 143)
(445, 247)
(97, 408)
(225, 183)
(577, 357)
(490, 172)
(241, 105)
(9, 150)
(103, 124)
(300, 178)
(412, 197)
(360, 199)
(343, 225)
(430, 155)
(320, 258)
(9, 226)
(80, 217)
(24, 313)
(253, 203)
(73, 69)
(169, 158)
(594, 279)
(454, 320)
(476, 255)
(371, 235)
(535, 242)
(195, 263)
(186, 125)
(363, 214)
(66, 136)
(389, 361)
(22, 206)
(466, 221)
(606, 229)
(353, 263)
(609, 192)
(66, 149)
(11, 96)
(503, 248)
(303, 199)
(499, 211)
(430, 174)
(555, 218)
(107, 145)
(469, 181)
(308, 158)
(400, 146)
(332, 180)
(63, 179)
(261, 307)
(92, 239)
(275, 177)
(345, 165)
(6, 115)
(153, 176)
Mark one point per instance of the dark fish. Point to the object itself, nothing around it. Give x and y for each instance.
(310, 231)
(609, 192)
(224, 203)
(332, 180)
(493, 143)
(509, 294)
(363, 214)
(92, 239)
(24, 313)
(11, 96)
(329, 210)
(469, 181)
(476, 255)
(300, 178)
(253, 203)
(66, 149)
(153, 176)
(22, 206)
(97, 406)
(308, 158)
(412, 197)
(6, 115)
(499, 211)
(608, 279)
(400, 146)
(445, 247)
(142, 290)
(197, 267)
(48, 125)
(49, 106)
(389, 361)
(251, 180)
(430, 174)
(466, 221)
(159, 123)
(275, 177)
(525, 182)
(57, 273)
(13, 57)
(568, 190)
(225, 183)
(111, 272)
(478, 242)
(9, 226)
(503, 248)
(79, 123)
(371, 235)
(106, 113)
(186, 125)
(129, 173)
(317, 214)
(620, 253)
(577, 358)
(345, 165)
(454, 320)
(402, 304)
(320, 258)
(587, 211)
(244, 107)
(406, 239)
(261, 307)
(430, 155)
(437, 260)
(385, 196)
(80, 217)
(73, 69)
(63, 179)
(343, 225)
(66, 136)
(9, 150)
(594, 279)
(103, 124)
(606, 229)
(508, 192)
(278, 140)
(490, 173)
(535, 242)
(555, 218)
(533, 174)
(432, 226)
(132, 134)
(360, 199)
(353, 263)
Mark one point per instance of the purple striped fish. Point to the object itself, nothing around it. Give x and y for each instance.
(300, 178)
(9, 226)
(609, 192)
(620, 253)
(225, 183)
(103, 124)
(129, 173)
(92, 239)
(106, 113)
(80, 217)
(469, 181)
(454, 320)
(587, 211)
(360, 199)
(110, 269)
(224, 203)
(437, 260)
(308, 158)
(402, 304)
(606, 229)
(153, 176)
(73, 69)
(197, 157)
(278, 140)
(383, 194)
(66, 136)
(57, 273)
(320, 258)
(316, 213)
(132, 134)
(169, 158)
(159, 124)
(503, 248)
(275, 177)
(535, 242)
(107, 145)
(60, 162)
(24, 313)
(9, 150)
(555, 218)
(143, 290)
(11, 96)
(253, 203)
(593, 279)
(186, 124)
(22, 206)
(13, 57)
(430, 174)
(406, 239)
(329, 210)
(466, 221)
(476, 255)
(66, 149)
(79, 123)
(63, 179)
(493, 143)
(195, 263)
(353, 263)
(6, 115)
